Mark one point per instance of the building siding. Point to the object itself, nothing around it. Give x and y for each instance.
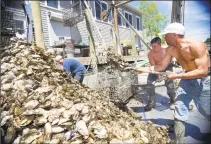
(83, 31)
(44, 19)
(124, 33)
(79, 32)
(105, 30)
(105, 27)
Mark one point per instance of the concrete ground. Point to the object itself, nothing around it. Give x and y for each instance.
(197, 127)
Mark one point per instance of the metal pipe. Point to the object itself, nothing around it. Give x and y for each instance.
(134, 30)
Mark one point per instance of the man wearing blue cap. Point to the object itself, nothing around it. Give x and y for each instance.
(194, 58)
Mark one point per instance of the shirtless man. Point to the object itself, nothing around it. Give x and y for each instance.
(193, 56)
(155, 57)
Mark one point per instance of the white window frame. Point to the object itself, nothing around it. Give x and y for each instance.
(59, 8)
(71, 2)
(24, 24)
(126, 18)
(139, 23)
(27, 1)
(120, 18)
(101, 11)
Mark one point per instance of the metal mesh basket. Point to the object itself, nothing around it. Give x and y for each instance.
(117, 86)
(7, 28)
(74, 14)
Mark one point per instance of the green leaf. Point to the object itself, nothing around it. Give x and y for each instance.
(153, 21)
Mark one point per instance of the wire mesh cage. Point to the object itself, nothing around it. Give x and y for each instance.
(74, 14)
(117, 86)
(7, 27)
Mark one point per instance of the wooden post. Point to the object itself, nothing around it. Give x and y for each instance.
(133, 43)
(35, 5)
(91, 41)
(116, 28)
(122, 3)
(177, 12)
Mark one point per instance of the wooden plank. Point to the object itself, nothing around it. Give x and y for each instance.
(116, 29)
(36, 14)
(86, 60)
(132, 58)
(122, 3)
(133, 43)
(103, 60)
(59, 45)
(92, 47)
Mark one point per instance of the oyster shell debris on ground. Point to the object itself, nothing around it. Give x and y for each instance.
(41, 104)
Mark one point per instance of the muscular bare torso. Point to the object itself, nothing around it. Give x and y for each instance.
(157, 56)
(185, 56)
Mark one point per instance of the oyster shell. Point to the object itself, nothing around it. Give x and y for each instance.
(82, 128)
(4, 120)
(30, 136)
(57, 129)
(40, 120)
(10, 135)
(40, 103)
(31, 104)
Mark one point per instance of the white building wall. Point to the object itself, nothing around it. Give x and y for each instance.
(56, 30)
(52, 24)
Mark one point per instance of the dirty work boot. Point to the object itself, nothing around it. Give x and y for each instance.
(150, 104)
(179, 130)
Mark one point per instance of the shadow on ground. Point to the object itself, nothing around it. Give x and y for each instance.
(162, 102)
(191, 130)
(197, 128)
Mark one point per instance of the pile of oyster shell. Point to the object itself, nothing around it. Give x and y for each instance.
(40, 103)
(115, 60)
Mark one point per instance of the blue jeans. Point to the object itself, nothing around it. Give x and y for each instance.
(79, 76)
(196, 89)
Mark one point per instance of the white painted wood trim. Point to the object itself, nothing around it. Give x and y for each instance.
(139, 23)
(121, 18)
(132, 18)
(108, 22)
(48, 23)
(53, 7)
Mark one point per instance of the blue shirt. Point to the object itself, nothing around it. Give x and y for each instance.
(73, 66)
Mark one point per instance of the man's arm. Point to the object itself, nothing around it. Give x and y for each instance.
(198, 50)
(151, 60)
(66, 66)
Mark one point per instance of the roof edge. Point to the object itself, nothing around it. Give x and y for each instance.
(136, 10)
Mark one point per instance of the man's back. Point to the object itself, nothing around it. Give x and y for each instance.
(73, 65)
